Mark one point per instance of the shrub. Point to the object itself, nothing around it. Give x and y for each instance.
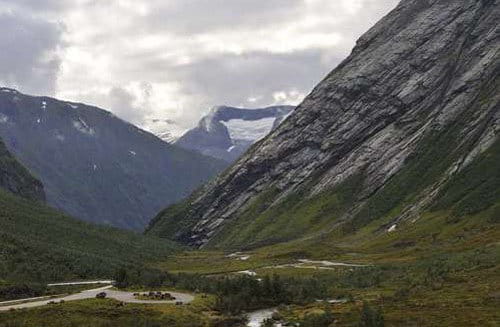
(371, 317)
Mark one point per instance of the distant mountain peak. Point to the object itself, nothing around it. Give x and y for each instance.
(227, 132)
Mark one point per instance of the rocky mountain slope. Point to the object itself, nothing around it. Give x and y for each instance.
(17, 179)
(408, 123)
(227, 132)
(95, 166)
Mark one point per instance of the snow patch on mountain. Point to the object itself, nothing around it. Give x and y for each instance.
(7, 90)
(3, 118)
(82, 127)
(60, 137)
(249, 130)
(227, 132)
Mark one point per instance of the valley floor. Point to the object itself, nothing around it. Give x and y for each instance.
(414, 276)
(465, 297)
(432, 272)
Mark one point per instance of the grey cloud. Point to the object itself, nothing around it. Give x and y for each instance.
(211, 78)
(118, 100)
(43, 5)
(201, 16)
(122, 104)
(232, 79)
(28, 59)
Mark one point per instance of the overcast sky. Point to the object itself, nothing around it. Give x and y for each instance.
(174, 59)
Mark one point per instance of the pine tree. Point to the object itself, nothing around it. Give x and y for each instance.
(122, 278)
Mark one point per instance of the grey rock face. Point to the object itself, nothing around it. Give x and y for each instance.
(95, 166)
(17, 179)
(430, 67)
(227, 132)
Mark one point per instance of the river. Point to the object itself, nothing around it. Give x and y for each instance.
(256, 318)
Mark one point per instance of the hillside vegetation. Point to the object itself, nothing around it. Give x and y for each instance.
(475, 189)
(17, 179)
(41, 244)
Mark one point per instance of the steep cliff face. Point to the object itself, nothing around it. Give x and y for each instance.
(383, 135)
(17, 179)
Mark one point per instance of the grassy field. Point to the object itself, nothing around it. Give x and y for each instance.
(450, 279)
(103, 313)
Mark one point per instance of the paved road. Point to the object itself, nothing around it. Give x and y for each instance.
(83, 283)
(127, 297)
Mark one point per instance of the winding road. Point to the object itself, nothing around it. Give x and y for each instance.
(127, 297)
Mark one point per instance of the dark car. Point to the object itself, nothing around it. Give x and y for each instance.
(101, 295)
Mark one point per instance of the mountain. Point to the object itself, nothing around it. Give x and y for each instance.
(41, 244)
(227, 132)
(95, 166)
(17, 179)
(407, 125)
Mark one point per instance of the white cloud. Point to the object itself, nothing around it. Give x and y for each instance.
(292, 97)
(177, 58)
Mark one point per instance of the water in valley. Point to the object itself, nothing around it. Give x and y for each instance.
(256, 318)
